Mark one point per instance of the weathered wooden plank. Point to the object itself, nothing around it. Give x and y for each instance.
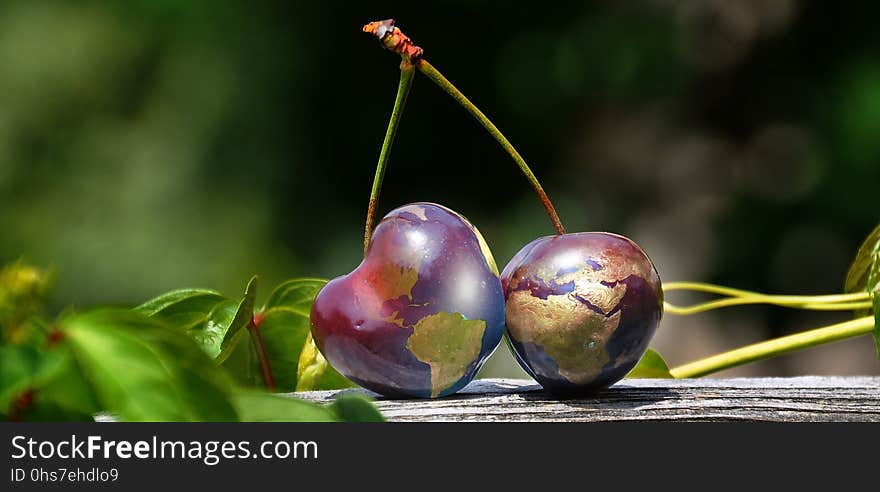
(799, 399)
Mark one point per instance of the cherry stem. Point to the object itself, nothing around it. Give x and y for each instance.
(438, 78)
(772, 348)
(394, 40)
(262, 355)
(406, 78)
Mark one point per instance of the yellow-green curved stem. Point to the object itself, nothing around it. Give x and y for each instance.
(741, 301)
(772, 348)
(739, 297)
(728, 291)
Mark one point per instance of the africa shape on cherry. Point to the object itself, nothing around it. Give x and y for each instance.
(422, 312)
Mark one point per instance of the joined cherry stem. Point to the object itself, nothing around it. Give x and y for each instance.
(411, 57)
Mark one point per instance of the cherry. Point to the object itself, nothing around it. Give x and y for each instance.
(581, 309)
(422, 312)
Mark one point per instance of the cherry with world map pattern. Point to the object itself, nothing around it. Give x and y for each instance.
(421, 313)
(581, 309)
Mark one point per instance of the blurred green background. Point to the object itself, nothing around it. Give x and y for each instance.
(147, 145)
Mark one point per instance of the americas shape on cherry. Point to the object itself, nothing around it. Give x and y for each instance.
(422, 312)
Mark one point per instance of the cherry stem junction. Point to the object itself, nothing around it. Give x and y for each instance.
(394, 40)
(406, 78)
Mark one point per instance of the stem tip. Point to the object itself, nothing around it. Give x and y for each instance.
(393, 39)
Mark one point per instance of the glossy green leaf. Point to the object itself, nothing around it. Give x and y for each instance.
(651, 366)
(210, 319)
(865, 266)
(864, 275)
(284, 334)
(267, 407)
(142, 371)
(204, 315)
(355, 408)
(296, 295)
(243, 314)
(875, 297)
(182, 306)
(241, 363)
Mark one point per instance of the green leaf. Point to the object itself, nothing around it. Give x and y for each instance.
(58, 389)
(293, 335)
(865, 267)
(243, 315)
(241, 363)
(142, 371)
(875, 297)
(210, 319)
(183, 305)
(284, 334)
(355, 408)
(204, 315)
(19, 367)
(287, 333)
(296, 295)
(651, 366)
(266, 407)
(864, 275)
(68, 396)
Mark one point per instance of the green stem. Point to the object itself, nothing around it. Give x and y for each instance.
(729, 291)
(741, 301)
(738, 297)
(438, 78)
(775, 347)
(406, 78)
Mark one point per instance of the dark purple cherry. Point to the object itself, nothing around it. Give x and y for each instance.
(421, 313)
(581, 309)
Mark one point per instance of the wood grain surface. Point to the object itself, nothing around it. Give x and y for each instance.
(799, 399)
